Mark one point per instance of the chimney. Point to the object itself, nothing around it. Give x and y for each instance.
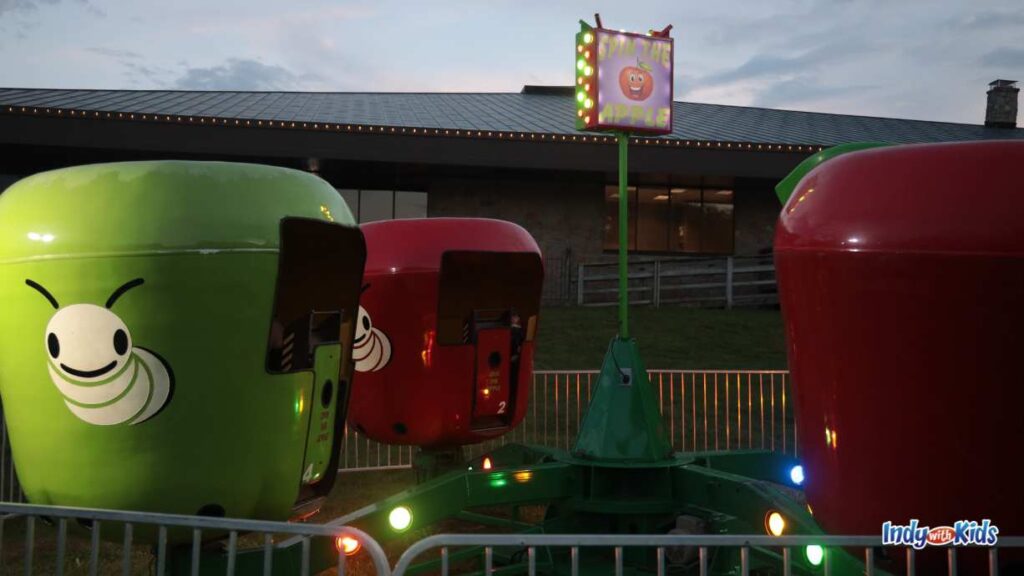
(1001, 111)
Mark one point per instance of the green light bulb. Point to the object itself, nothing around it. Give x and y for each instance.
(580, 96)
(580, 64)
(400, 518)
(815, 554)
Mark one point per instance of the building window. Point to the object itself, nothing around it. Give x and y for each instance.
(410, 204)
(374, 205)
(672, 220)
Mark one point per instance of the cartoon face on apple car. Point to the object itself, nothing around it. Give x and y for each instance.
(371, 348)
(104, 379)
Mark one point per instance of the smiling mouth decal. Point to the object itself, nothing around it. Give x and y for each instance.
(89, 373)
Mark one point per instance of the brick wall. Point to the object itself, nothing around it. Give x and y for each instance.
(564, 215)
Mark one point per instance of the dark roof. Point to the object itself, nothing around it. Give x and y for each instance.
(531, 112)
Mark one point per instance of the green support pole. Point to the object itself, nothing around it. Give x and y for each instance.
(623, 424)
(623, 237)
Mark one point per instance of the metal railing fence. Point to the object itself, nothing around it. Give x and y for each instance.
(703, 410)
(663, 543)
(694, 552)
(128, 523)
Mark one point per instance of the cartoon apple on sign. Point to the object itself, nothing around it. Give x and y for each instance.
(636, 82)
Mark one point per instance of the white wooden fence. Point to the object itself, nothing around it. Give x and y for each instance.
(729, 281)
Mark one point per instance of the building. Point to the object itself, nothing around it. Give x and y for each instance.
(705, 189)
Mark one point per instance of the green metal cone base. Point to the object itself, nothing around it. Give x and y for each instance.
(623, 423)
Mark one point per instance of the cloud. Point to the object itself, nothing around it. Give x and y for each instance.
(22, 5)
(257, 22)
(1012, 58)
(780, 79)
(146, 75)
(768, 65)
(803, 89)
(136, 69)
(989, 20)
(114, 53)
(245, 74)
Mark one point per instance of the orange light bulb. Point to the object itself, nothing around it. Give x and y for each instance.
(349, 545)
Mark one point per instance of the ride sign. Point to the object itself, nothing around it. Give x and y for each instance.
(624, 81)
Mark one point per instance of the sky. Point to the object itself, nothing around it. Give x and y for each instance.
(922, 59)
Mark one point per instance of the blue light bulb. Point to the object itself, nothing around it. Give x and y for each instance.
(796, 474)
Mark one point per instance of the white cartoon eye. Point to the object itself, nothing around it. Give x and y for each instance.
(363, 326)
(87, 342)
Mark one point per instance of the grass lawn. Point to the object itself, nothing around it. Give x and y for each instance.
(669, 337)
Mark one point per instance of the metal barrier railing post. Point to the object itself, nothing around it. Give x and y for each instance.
(161, 550)
(62, 534)
(94, 548)
(127, 558)
(268, 554)
(196, 544)
(30, 545)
